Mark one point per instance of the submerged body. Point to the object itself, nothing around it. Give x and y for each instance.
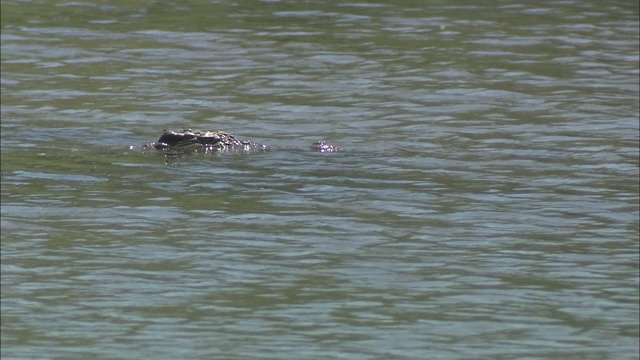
(189, 140)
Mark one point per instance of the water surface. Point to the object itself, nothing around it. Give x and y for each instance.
(486, 203)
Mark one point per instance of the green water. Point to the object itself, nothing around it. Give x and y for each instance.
(485, 206)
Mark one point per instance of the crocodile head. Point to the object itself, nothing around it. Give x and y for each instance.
(209, 140)
(172, 139)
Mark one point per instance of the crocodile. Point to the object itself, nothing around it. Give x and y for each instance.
(209, 141)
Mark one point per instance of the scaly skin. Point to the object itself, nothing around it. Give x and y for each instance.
(209, 140)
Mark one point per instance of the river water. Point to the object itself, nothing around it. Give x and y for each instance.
(485, 204)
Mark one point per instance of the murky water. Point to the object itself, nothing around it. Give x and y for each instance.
(485, 206)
